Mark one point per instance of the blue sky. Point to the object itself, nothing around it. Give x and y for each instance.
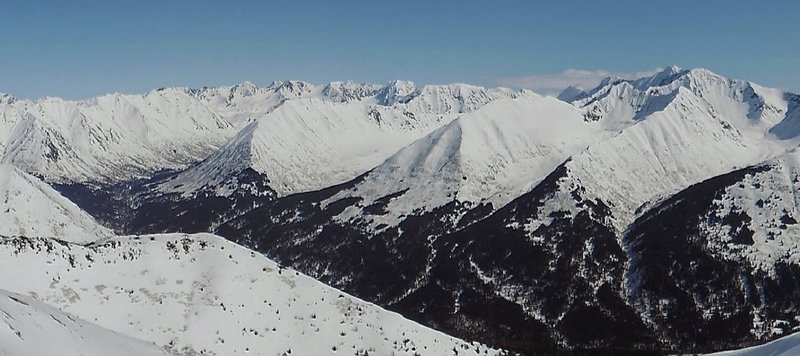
(83, 48)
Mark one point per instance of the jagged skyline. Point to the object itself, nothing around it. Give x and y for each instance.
(82, 49)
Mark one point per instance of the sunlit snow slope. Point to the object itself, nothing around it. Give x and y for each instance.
(489, 156)
(202, 294)
(29, 207)
(30, 327)
(785, 346)
(312, 137)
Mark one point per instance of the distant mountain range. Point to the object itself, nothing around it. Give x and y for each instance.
(648, 215)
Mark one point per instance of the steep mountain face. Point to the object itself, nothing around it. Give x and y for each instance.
(737, 253)
(6, 121)
(554, 260)
(706, 128)
(28, 206)
(200, 294)
(35, 328)
(487, 281)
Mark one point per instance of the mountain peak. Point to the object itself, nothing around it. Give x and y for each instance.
(397, 91)
(345, 91)
(571, 93)
(245, 89)
(661, 78)
(7, 98)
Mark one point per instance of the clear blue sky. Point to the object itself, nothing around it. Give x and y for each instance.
(77, 49)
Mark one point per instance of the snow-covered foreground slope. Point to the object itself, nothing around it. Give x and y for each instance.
(200, 294)
(30, 327)
(29, 207)
(785, 346)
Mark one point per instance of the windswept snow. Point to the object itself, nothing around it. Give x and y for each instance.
(785, 346)
(200, 294)
(30, 327)
(29, 207)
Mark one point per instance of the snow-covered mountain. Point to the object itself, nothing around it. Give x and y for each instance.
(112, 137)
(565, 231)
(737, 243)
(118, 137)
(34, 328)
(30, 207)
(200, 294)
(490, 156)
(307, 144)
(324, 135)
(660, 211)
(690, 125)
(307, 138)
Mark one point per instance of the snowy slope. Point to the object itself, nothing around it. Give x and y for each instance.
(307, 144)
(321, 136)
(6, 121)
(567, 232)
(688, 126)
(112, 137)
(618, 102)
(490, 156)
(203, 294)
(769, 198)
(29, 207)
(244, 103)
(785, 346)
(34, 328)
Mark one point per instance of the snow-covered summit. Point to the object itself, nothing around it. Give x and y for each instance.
(571, 93)
(617, 102)
(397, 91)
(349, 91)
(678, 127)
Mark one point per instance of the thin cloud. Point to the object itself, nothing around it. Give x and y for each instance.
(582, 78)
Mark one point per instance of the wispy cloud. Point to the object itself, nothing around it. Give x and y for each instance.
(555, 82)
